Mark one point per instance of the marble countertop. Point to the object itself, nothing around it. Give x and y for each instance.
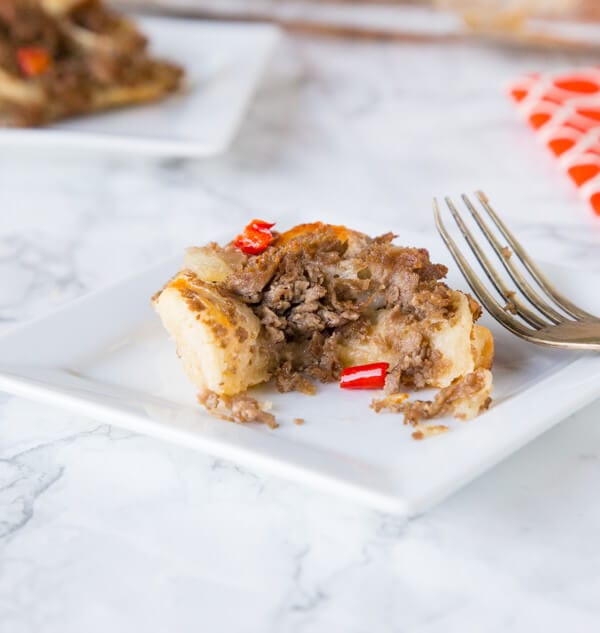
(102, 530)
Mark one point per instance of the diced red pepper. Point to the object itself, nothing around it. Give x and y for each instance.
(261, 225)
(364, 376)
(253, 242)
(255, 238)
(33, 60)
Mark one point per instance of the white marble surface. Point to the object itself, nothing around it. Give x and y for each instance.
(105, 531)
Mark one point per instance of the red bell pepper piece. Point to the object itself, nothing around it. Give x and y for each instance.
(261, 225)
(364, 376)
(255, 238)
(33, 60)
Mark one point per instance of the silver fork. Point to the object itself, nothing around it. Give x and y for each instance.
(555, 320)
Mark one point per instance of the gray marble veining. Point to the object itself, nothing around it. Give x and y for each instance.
(102, 530)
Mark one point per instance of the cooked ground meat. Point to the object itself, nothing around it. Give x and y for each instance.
(309, 291)
(286, 379)
(25, 24)
(415, 362)
(446, 402)
(238, 408)
(92, 15)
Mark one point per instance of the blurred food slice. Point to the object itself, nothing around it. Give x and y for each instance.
(62, 58)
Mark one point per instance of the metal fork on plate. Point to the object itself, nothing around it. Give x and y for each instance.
(554, 320)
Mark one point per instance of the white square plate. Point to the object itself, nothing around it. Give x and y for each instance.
(107, 356)
(223, 62)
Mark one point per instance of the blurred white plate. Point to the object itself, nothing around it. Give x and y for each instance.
(107, 356)
(223, 63)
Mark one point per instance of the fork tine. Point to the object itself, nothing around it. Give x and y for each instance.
(493, 307)
(570, 308)
(531, 295)
(492, 273)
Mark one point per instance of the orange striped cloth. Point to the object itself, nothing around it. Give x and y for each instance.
(564, 112)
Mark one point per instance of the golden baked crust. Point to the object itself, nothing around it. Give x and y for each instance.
(218, 338)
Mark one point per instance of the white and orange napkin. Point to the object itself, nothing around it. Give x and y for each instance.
(564, 112)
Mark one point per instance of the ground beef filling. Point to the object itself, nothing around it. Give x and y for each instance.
(239, 408)
(446, 402)
(26, 25)
(91, 15)
(311, 293)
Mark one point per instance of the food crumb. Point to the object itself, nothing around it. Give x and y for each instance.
(299, 421)
(429, 430)
(239, 408)
(506, 252)
(393, 402)
(510, 307)
(510, 304)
